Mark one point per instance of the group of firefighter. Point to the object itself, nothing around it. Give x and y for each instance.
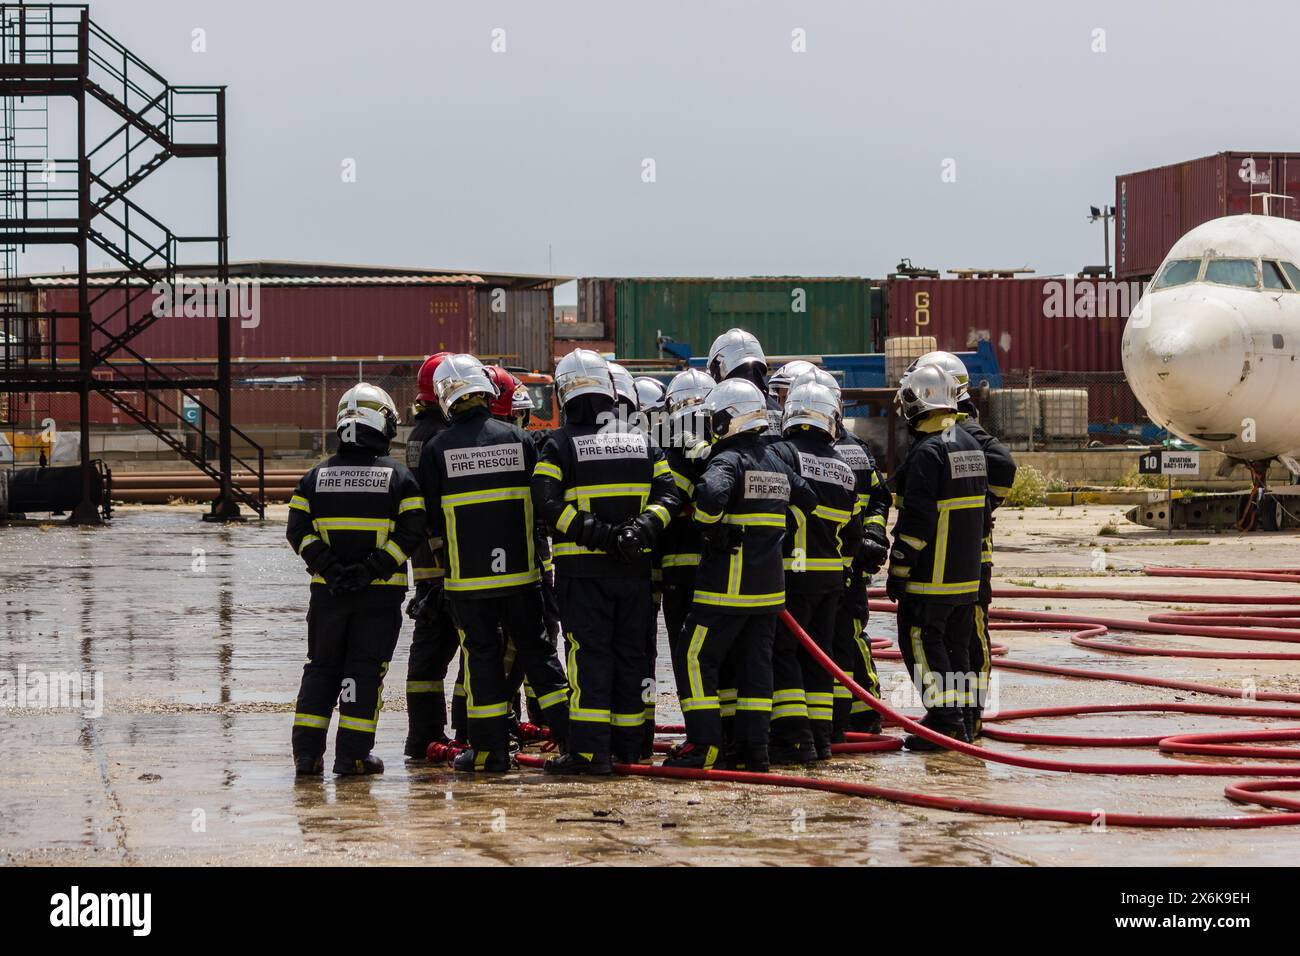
(717, 500)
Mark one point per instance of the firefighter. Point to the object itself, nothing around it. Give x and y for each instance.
(851, 645)
(475, 477)
(740, 510)
(652, 397)
(934, 564)
(816, 543)
(1001, 476)
(354, 519)
(606, 494)
(433, 641)
(738, 354)
(778, 384)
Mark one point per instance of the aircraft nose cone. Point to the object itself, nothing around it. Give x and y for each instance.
(1185, 355)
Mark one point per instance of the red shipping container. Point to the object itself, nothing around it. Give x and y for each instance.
(1065, 324)
(1156, 207)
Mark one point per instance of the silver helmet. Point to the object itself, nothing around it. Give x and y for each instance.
(460, 376)
(368, 405)
(733, 349)
(819, 376)
(950, 364)
(814, 405)
(687, 390)
(651, 393)
(521, 400)
(928, 388)
(734, 407)
(778, 385)
(583, 372)
(624, 385)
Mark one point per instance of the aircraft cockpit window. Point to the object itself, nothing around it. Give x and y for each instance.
(1273, 275)
(1178, 272)
(1293, 273)
(1240, 272)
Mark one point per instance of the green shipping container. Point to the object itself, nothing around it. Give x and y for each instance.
(790, 315)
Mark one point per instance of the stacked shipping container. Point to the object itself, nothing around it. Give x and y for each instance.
(1155, 207)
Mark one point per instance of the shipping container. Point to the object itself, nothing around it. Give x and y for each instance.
(516, 327)
(790, 315)
(1069, 324)
(1154, 208)
(596, 305)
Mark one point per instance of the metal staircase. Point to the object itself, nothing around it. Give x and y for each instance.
(56, 50)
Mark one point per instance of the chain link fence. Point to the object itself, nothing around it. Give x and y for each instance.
(1062, 410)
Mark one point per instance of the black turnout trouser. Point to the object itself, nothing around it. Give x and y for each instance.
(350, 642)
(981, 654)
(743, 642)
(433, 644)
(484, 624)
(852, 651)
(604, 627)
(802, 690)
(935, 639)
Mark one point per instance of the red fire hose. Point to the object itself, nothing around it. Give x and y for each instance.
(1260, 793)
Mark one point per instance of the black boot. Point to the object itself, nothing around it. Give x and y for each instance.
(578, 765)
(974, 719)
(415, 750)
(483, 761)
(865, 722)
(358, 767)
(752, 758)
(783, 751)
(309, 766)
(822, 739)
(949, 728)
(693, 757)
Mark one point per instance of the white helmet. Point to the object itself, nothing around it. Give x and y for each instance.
(733, 349)
(778, 386)
(687, 390)
(368, 405)
(950, 364)
(818, 376)
(651, 393)
(928, 388)
(624, 384)
(814, 405)
(459, 376)
(734, 407)
(583, 372)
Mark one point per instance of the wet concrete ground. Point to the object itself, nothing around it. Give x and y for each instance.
(198, 632)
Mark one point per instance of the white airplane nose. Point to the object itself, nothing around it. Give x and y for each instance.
(1184, 354)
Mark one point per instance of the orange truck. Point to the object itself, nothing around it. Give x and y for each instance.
(546, 413)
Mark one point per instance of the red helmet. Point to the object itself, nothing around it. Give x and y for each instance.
(503, 405)
(424, 381)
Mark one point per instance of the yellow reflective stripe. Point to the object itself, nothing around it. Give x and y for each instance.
(760, 519)
(425, 574)
(548, 564)
(941, 546)
(359, 724)
(760, 704)
(353, 524)
(424, 687)
(735, 566)
(553, 698)
(660, 512)
(680, 560)
(301, 503)
(627, 720)
(695, 682)
(306, 540)
(311, 720)
(816, 564)
(479, 497)
(703, 517)
(589, 716)
(397, 580)
(494, 581)
(486, 711)
(969, 501)
(916, 543)
(875, 519)
(607, 490)
(832, 514)
(398, 554)
(701, 703)
(414, 503)
(900, 571)
(567, 549)
(1000, 491)
(955, 587)
(780, 711)
(661, 468)
(715, 599)
(682, 482)
(547, 470)
(566, 518)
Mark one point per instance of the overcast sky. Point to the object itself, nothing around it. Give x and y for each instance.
(766, 160)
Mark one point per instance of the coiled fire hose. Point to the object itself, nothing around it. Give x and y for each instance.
(1255, 625)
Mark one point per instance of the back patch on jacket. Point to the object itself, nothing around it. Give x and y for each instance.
(767, 484)
(966, 464)
(487, 459)
(826, 470)
(354, 478)
(613, 445)
(854, 456)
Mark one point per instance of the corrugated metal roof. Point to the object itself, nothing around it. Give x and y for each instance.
(62, 281)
